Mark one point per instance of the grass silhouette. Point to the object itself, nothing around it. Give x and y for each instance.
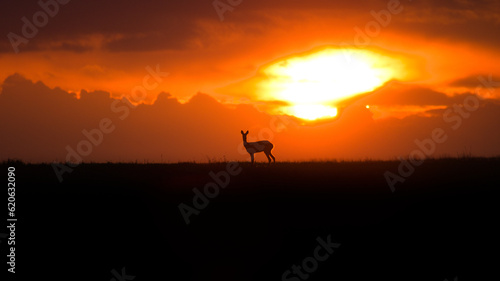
(438, 223)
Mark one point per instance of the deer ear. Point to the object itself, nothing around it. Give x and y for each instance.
(246, 132)
(242, 131)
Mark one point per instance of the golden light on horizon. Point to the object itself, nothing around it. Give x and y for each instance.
(312, 111)
(315, 83)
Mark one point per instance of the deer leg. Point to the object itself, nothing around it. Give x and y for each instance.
(268, 158)
(272, 156)
(251, 156)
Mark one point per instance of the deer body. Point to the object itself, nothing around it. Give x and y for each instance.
(258, 146)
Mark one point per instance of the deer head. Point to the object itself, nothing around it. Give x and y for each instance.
(244, 135)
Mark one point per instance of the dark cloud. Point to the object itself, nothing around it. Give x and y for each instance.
(397, 93)
(169, 21)
(477, 80)
(451, 20)
(147, 42)
(156, 24)
(75, 47)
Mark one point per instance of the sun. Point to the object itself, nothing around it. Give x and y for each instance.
(312, 85)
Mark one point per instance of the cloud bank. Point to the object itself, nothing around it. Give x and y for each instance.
(40, 124)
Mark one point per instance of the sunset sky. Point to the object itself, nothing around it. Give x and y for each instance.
(320, 79)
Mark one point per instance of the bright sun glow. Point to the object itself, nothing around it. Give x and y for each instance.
(314, 84)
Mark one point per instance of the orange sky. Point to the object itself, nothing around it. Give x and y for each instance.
(109, 46)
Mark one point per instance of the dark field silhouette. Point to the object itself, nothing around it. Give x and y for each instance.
(440, 223)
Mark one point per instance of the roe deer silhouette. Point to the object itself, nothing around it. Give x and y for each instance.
(258, 146)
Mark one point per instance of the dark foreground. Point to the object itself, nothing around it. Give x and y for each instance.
(117, 221)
